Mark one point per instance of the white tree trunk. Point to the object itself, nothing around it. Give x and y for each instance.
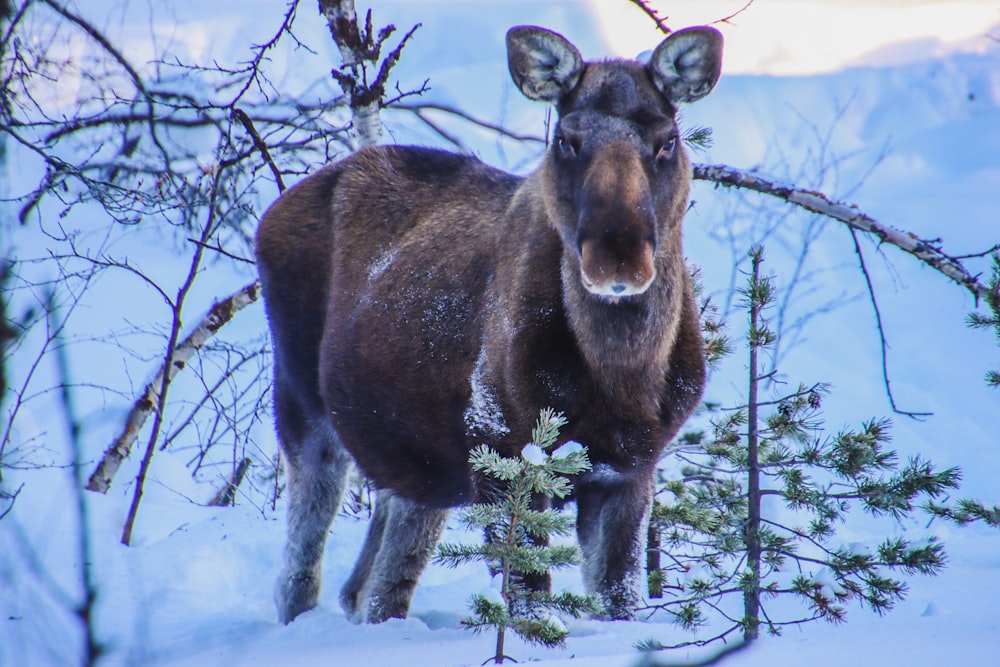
(218, 315)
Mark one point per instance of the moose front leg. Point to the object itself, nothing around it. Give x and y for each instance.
(612, 513)
(400, 543)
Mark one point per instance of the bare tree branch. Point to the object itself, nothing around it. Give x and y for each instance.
(739, 11)
(227, 494)
(219, 314)
(881, 332)
(849, 214)
(661, 22)
(105, 44)
(361, 49)
(418, 110)
(85, 609)
(260, 144)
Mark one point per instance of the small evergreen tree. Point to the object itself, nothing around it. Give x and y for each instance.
(991, 321)
(519, 538)
(968, 510)
(731, 554)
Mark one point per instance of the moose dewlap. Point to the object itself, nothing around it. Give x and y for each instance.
(423, 303)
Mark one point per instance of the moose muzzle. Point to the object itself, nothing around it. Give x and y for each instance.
(616, 232)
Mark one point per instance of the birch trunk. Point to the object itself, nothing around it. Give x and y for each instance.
(145, 405)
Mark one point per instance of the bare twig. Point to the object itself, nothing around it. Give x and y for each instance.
(219, 314)
(84, 610)
(210, 397)
(441, 132)
(977, 255)
(9, 497)
(105, 44)
(739, 11)
(227, 494)
(418, 109)
(241, 115)
(661, 22)
(361, 50)
(209, 228)
(881, 333)
(849, 214)
(217, 247)
(254, 66)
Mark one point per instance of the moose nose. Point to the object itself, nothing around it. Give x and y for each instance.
(618, 288)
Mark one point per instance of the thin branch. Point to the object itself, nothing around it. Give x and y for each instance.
(443, 133)
(261, 49)
(169, 361)
(661, 22)
(10, 497)
(378, 87)
(225, 253)
(85, 609)
(881, 332)
(227, 494)
(739, 11)
(145, 405)
(499, 129)
(260, 144)
(849, 214)
(805, 391)
(403, 94)
(98, 37)
(978, 255)
(209, 395)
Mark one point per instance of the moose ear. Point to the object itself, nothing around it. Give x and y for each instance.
(542, 63)
(686, 65)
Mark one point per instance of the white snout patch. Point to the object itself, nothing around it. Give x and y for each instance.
(614, 289)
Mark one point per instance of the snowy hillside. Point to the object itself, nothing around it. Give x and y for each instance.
(916, 145)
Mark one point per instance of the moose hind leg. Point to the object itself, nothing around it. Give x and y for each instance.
(407, 540)
(317, 477)
(612, 514)
(352, 589)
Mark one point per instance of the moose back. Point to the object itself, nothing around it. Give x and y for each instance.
(422, 303)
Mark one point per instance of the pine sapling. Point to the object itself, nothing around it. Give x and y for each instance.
(968, 510)
(518, 539)
(992, 320)
(730, 554)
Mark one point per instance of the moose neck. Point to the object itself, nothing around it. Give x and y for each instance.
(626, 341)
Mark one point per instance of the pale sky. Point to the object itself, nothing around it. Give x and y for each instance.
(809, 36)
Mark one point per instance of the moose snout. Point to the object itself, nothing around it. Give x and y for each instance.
(616, 270)
(616, 231)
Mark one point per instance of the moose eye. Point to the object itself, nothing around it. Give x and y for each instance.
(666, 149)
(565, 147)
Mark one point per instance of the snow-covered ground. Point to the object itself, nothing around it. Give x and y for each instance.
(915, 142)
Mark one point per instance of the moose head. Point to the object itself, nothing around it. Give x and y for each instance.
(617, 177)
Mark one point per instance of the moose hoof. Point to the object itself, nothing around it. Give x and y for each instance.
(619, 606)
(295, 594)
(383, 607)
(349, 602)
(618, 614)
(377, 606)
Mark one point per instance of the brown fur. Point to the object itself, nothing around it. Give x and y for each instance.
(423, 303)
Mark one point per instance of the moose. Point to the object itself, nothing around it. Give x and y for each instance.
(422, 303)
